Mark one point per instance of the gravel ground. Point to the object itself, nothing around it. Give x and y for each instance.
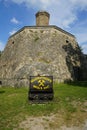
(44, 123)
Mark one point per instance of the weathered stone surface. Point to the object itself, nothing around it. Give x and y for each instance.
(42, 18)
(44, 50)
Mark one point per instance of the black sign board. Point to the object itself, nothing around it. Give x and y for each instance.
(41, 88)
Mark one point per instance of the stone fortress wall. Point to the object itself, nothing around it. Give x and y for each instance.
(44, 50)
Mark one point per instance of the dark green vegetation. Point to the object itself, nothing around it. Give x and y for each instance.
(0, 53)
(69, 101)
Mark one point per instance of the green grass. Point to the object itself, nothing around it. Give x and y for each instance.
(15, 107)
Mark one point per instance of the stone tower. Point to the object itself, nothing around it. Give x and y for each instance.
(42, 18)
(42, 49)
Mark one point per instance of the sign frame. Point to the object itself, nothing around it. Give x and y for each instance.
(41, 88)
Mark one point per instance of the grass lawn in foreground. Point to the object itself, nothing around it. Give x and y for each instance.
(70, 100)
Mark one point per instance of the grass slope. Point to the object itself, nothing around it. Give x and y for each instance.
(70, 101)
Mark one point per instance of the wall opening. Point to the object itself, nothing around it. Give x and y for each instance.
(67, 41)
(12, 42)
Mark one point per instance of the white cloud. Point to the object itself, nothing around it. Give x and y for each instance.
(84, 48)
(82, 4)
(40, 3)
(14, 20)
(82, 40)
(63, 12)
(2, 45)
(12, 32)
(82, 37)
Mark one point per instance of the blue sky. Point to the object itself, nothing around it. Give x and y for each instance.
(70, 15)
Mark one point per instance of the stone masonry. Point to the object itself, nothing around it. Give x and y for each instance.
(43, 50)
(42, 18)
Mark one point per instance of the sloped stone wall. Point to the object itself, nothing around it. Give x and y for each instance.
(39, 50)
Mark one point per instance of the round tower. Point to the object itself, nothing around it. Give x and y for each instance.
(42, 18)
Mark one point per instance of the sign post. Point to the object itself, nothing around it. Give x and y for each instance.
(41, 88)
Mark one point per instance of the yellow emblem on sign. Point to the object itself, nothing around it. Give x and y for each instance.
(37, 78)
(40, 88)
(41, 83)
